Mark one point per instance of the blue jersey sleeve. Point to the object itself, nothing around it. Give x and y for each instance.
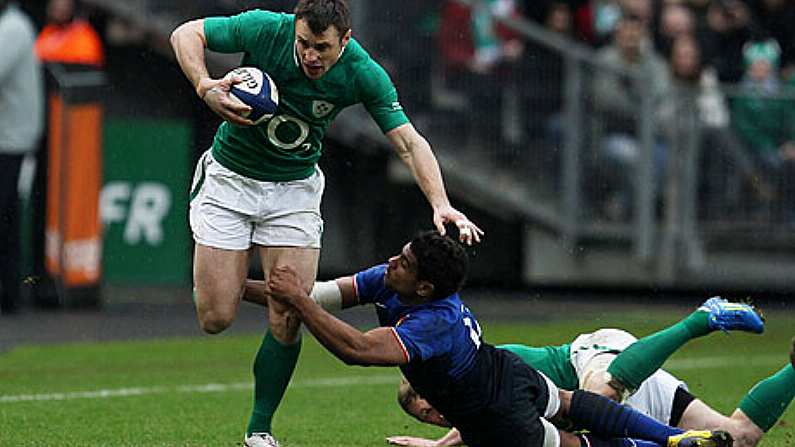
(370, 284)
(424, 334)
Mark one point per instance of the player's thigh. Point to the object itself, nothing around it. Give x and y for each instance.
(218, 277)
(303, 260)
(223, 206)
(523, 419)
(291, 216)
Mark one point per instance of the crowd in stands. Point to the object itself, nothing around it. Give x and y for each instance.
(730, 62)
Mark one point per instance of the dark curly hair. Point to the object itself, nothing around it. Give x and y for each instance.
(320, 14)
(441, 261)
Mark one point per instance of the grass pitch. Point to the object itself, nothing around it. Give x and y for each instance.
(197, 391)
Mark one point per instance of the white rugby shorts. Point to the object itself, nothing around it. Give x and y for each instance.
(231, 211)
(591, 355)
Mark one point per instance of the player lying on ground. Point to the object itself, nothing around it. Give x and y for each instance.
(584, 363)
(489, 394)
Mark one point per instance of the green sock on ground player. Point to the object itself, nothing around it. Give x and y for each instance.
(273, 368)
(768, 399)
(647, 355)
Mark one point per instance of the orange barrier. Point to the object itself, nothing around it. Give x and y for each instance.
(73, 238)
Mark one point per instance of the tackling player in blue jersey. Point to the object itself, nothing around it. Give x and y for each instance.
(589, 363)
(489, 394)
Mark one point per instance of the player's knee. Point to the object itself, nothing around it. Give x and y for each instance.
(213, 322)
(745, 436)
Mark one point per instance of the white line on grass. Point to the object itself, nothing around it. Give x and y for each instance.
(193, 389)
(673, 365)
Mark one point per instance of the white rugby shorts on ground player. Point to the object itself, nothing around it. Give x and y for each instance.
(591, 355)
(231, 211)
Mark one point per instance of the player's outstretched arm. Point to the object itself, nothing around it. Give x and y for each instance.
(188, 41)
(330, 295)
(453, 437)
(416, 153)
(376, 347)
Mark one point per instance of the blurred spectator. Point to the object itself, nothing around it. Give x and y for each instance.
(542, 81)
(698, 100)
(675, 20)
(765, 122)
(477, 53)
(777, 17)
(608, 13)
(68, 38)
(723, 28)
(21, 122)
(606, 16)
(410, 69)
(617, 98)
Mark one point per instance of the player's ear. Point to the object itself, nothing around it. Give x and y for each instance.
(425, 289)
(346, 38)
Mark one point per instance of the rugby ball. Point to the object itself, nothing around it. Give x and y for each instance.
(256, 90)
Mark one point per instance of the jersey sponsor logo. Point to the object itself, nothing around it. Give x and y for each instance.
(303, 133)
(321, 108)
(396, 107)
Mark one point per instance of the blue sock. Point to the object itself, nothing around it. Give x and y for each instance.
(591, 440)
(607, 418)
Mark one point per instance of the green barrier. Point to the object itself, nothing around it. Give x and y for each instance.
(144, 202)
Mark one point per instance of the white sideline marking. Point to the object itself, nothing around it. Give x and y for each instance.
(193, 389)
(676, 364)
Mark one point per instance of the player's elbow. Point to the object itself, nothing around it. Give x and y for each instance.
(352, 358)
(187, 29)
(357, 356)
(174, 38)
(351, 361)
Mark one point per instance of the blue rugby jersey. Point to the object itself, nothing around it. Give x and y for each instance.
(439, 337)
(489, 394)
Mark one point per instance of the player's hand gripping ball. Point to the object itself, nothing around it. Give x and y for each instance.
(257, 91)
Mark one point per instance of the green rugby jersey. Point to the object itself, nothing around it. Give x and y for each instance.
(553, 361)
(287, 146)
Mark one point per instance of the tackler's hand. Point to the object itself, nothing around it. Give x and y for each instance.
(285, 286)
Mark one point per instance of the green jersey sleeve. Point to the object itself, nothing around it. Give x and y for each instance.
(380, 98)
(552, 361)
(245, 32)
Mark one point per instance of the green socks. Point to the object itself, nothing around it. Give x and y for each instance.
(768, 399)
(647, 355)
(273, 368)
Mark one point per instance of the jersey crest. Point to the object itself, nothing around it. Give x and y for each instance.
(321, 108)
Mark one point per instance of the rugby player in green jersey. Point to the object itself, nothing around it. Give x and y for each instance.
(260, 185)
